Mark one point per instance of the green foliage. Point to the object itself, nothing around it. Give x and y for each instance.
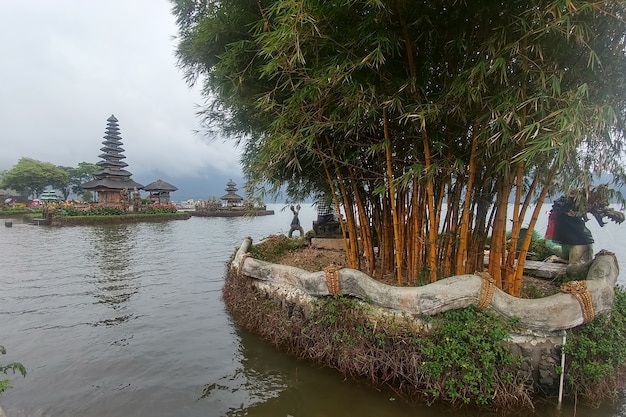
(466, 348)
(274, 246)
(86, 196)
(19, 210)
(596, 354)
(159, 209)
(31, 177)
(463, 359)
(82, 173)
(539, 248)
(320, 92)
(71, 211)
(14, 367)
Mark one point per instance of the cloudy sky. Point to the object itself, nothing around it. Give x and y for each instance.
(67, 65)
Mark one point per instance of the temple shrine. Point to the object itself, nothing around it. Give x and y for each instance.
(160, 191)
(232, 199)
(112, 182)
(232, 205)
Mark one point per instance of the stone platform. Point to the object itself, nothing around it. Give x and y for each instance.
(548, 270)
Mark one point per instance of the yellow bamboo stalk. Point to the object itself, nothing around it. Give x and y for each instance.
(498, 239)
(531, 226)
(516, 226)
(392, 193)
(364, 227)
(461, 254)
(416, 232)
(432, 227)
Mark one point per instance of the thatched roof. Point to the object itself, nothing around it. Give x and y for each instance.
(231, 197)
(111, 184)
(160, 185)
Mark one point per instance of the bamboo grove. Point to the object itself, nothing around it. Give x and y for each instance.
(438, 127)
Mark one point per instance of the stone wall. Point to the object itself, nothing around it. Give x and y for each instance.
(542, 322)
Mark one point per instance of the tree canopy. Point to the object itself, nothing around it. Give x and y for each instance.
(30, 177)
(422, 119)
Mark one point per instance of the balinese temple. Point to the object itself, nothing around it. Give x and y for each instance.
(231, 198)
(160, 191)
(112, 177)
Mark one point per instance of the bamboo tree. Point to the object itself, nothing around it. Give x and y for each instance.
(281, 77)
(461, 257)
(392, 199)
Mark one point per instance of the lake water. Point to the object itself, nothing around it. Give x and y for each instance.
(127, 320)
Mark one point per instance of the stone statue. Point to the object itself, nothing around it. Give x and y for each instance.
(124, 198)
(136, 200)
(295, 222)
(566, 223)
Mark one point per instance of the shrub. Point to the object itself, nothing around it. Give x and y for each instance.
(462, 360)
(159, 209)
(15, 367)
(273, 247)
(596, 355)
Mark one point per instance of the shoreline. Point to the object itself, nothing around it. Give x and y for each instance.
(284, 305)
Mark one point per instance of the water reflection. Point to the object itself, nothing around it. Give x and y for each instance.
(114, 277)
(127, 320)
(268, 383)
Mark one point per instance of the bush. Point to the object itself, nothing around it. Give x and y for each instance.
(462, 360)
(159, 209)
(596, 355)
(15, 367)
(272, 248)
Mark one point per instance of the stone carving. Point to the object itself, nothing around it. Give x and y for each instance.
(124, 198)
(543, 315)
(136, 200)
(295, 222)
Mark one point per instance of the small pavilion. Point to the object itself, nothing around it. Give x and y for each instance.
(231, 198)
(160, 191)
(112, 183)
(49, 197)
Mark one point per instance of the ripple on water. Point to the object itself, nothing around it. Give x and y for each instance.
(128, 320)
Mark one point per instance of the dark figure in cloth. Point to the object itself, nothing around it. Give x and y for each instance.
(566, 225)
(295, 222)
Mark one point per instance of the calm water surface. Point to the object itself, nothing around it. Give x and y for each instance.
(127, 320)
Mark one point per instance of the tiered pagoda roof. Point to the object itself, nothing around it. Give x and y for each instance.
(231, 197)
(112, 175)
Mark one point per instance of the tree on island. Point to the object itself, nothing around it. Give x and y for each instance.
(423, 120)
(30, 177)
(85, 171)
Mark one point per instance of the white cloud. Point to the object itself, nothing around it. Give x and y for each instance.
(69, 64)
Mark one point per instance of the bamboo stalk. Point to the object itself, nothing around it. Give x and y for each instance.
(364, 227)
(531, 226)
(432, 227)
(390, 183)
(462, 250)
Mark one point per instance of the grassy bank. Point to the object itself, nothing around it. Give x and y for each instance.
(116, 219)
(458, 357)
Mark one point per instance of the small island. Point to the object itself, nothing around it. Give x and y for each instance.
(114, 197)
(231, 205)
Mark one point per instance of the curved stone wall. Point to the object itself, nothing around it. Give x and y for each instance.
(545, 316)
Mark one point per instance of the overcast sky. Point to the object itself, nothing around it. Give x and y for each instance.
(67, 65)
